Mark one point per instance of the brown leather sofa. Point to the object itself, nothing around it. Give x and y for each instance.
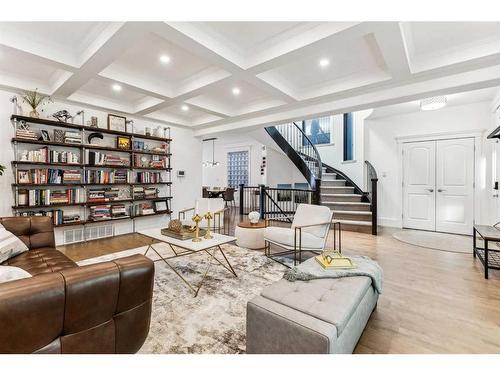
(63, 308)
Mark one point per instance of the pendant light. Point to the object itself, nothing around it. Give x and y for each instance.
(212, 163)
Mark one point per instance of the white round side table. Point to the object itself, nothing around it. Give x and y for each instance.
(250, 236)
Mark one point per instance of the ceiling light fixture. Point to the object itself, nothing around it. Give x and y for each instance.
(165, 59)
(116, 87)
(324, 62)
(211, 163)
(431, 104)
(185, 108)
(236, 91)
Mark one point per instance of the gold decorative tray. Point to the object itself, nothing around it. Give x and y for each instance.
(334, 260)
(186, 233)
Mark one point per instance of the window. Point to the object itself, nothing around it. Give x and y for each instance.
(348, 137)
(237, 168)
(318, 130)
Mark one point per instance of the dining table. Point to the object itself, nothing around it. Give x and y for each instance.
(216, 193)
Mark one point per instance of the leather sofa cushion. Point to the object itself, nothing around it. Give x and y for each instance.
(41, 260)
(285, 236)
(330, 300)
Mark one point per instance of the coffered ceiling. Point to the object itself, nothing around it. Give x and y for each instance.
(214, 76)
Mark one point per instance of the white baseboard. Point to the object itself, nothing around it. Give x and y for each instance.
(389, 222)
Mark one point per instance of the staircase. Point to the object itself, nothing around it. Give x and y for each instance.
(351, 206)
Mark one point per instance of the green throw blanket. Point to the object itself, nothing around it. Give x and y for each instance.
(311, 270)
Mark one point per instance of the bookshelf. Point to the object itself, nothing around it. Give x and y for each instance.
(45, 175)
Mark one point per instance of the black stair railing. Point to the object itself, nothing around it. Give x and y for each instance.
(301, 151)
(371, 184)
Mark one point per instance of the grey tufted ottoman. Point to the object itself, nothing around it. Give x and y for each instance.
(318, 316)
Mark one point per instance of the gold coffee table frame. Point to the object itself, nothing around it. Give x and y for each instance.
(181, 251)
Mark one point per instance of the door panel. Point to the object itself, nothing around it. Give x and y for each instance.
(454, 185)
(419, 163)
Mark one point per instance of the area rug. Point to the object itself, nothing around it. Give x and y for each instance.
(453, 243)
(213, 322)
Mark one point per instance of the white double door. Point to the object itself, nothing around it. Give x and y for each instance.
(438, 185)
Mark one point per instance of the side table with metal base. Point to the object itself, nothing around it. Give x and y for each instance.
(490, 258)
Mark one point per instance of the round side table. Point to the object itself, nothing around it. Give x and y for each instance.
(250, 236)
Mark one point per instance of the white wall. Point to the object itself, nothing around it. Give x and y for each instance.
(186, 155)
(383, 151)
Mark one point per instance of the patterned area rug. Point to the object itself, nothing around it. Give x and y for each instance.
(213, 322)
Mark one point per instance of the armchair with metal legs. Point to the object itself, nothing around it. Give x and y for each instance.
(308, 233)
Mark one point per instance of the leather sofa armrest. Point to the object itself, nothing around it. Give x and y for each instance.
(99, 308)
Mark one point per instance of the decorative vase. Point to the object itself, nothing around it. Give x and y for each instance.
(254, 217)
(34, 114)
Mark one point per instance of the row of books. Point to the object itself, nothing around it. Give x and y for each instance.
(48, 176)
(149, 177)
(43, 197)
(58, 216)
(72, 137)
(44, 155)
(100, 158)
(26, 134)
(104, 194)
(108, 211)
(118, 176)
(141, 192)
(141, 146)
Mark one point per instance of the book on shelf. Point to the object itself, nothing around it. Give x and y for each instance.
(72, 137)
(100, 212)
(154, 161)
(104, 195)
(148, 177)
(101, 158)
(26, 134)
(48, 176)
(58, 216)
(118, 176)
(119, 210)
(144, 209)
(45, 197)
(44, 155)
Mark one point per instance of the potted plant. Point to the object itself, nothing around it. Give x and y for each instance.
(34, 100)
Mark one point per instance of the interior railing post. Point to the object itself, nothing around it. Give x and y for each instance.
(242, 198)
(262, 208)
(316, 198)
(374, 206)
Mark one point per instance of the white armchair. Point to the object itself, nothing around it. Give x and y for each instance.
(202, 205)
(309, 232)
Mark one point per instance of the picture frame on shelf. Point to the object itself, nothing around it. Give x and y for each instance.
(160, 206)
(59, 135)
(138, 146)
(23, 177)
(45, 135)
(117, 123)
(123, 143)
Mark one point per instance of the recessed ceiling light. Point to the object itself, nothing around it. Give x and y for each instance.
(116, 87)
(165, 59)
(236, 91)
(185, 108)
(431, 104)
(324, 62)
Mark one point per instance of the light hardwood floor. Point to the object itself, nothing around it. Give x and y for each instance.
(433, 301)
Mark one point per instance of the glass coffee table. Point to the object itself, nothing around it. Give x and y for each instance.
(181, 248)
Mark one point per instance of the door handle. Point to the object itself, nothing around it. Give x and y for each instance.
(431, 190)
(441, 190)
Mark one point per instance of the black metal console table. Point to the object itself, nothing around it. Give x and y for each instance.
(490, 258)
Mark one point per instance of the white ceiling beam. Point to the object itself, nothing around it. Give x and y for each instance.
(482, 78)
(114, 40)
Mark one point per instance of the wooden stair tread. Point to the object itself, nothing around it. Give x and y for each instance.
(348, 203)
(352, 212)
(353, 222)
(341, 195)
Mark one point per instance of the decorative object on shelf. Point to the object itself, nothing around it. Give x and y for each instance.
(130, 126)
(23, 177)
(254, 217)
(23, 125)
(79, 113)
(123, 143)
(44, 136)
(156, 131)
(165, 132)
(118, 123)
(208, 216)
(161, 206)
(138, 145)
(34, 100)
(197, 218)
(59, 135)
(17, 110)
(92, 122)
(147, 131)
(94, 135)
(212, 163)
(62, 116)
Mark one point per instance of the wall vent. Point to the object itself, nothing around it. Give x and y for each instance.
(87, 234)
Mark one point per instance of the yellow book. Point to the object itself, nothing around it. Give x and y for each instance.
(334, 260)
